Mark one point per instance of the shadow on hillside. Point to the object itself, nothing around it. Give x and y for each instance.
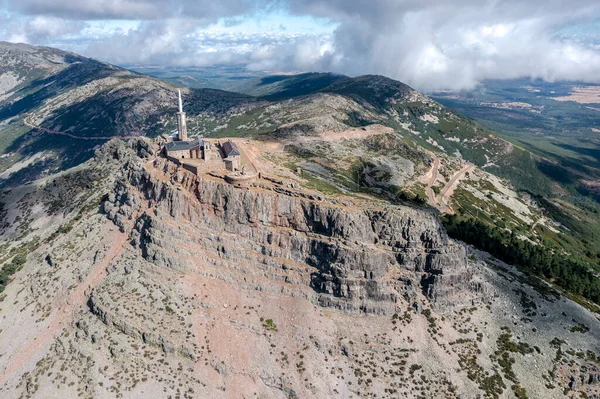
(69, 153)
(556, 172)
(39, 90)
(586, 151)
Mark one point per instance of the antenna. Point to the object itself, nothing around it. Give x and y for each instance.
(180, 103)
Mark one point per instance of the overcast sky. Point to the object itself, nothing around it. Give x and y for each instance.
(429, 44)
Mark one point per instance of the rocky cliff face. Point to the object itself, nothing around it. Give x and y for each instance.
(358, 260)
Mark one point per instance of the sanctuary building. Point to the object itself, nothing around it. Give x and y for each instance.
(200, 154)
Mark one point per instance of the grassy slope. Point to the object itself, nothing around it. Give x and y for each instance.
(560, 136)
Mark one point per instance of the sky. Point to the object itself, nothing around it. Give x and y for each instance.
(428, 44)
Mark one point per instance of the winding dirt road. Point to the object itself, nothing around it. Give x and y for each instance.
(431, 177)
(441, 201)
(56, 132)
(448, 190)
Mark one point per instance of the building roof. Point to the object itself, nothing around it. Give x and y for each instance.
(230, 149)
(184, 145)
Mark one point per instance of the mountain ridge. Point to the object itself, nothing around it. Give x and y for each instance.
(330, 274)
(127, 104)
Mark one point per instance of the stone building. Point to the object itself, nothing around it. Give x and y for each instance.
(231, 155)
(194, 149)
(180, 149)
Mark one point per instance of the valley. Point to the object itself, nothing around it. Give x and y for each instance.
(554, 120)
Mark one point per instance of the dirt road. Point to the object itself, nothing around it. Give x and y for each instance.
(56, 132)
(431, 177)
(441, 201)
(448, 190)
(277, 146)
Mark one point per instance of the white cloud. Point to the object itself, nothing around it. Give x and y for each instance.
(39, 29)
(428, 44)
(47, 27)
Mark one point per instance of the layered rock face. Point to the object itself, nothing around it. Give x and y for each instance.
(194, 288)
(356, 260)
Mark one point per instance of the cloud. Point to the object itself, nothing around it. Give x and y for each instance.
(135, 9)
(43, 28)
(429, 44)
(178, 42)
(39, 29)
(438, 44)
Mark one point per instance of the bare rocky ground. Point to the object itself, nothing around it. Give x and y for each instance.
(143, 280)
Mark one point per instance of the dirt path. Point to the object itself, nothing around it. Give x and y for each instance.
(350, 134)
(356, 133)
(429, 180)
(64, 309)
(448, 190)
(56, 132)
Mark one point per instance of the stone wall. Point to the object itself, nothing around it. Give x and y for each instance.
(178, 154)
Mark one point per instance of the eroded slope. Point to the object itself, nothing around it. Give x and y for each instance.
(181, 286)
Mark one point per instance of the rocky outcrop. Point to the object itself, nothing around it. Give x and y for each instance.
(136, 331)
(216, 291)
(361, 260)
